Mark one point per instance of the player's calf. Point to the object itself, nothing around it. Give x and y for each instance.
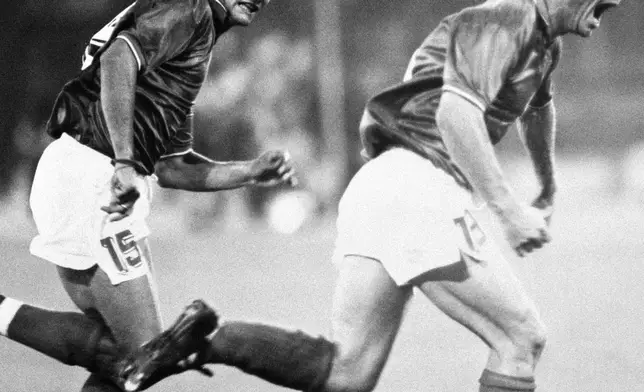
(291, 359)
(71, 338)
(288, 358)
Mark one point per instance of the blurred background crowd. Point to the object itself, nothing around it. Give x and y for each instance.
(298, 78)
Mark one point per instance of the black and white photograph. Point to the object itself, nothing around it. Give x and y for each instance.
(322, 195)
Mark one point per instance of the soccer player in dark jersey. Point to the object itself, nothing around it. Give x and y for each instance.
(123, 122)
(405, 220)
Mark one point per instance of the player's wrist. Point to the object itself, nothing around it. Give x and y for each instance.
(256, 170)
(124, 163)
(548, 190)
(506, 207)
(249, 172)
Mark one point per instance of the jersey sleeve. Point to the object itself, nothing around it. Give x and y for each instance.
(479, 59)
(161, 30)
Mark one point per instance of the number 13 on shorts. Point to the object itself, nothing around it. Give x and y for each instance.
(472, 237)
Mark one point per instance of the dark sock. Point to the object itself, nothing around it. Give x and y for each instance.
(72, 338)
(95, 383)
(290, 359)
(496, 382)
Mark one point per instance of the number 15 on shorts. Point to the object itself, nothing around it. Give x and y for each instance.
(123, 250)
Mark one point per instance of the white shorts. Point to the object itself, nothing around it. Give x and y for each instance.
(411, 216)
(71, 183)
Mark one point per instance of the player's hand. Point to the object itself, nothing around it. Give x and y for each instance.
(525, 229)
(273, 168)
(126, 185)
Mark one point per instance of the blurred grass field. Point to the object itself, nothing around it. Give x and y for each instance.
(587, 284)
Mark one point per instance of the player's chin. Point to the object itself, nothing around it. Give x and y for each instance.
(586, 30)
(242, 18)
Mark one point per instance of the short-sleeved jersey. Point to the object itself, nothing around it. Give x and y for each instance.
(497, 55)
(172, 41)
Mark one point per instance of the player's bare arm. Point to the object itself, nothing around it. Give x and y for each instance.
(194, 172)
(118, 81)
(463, 128)
(537, 130)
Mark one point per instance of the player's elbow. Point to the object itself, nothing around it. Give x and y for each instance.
(164, 180)
(166, 174)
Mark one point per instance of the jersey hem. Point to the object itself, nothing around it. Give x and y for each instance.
(176, 154)
(62, 259)
(539, 107)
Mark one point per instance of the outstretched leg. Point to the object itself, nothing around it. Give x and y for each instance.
(79, 339)
(368, 308)
(367, 311)
(128, 310)
(69, 337)
(487, 298)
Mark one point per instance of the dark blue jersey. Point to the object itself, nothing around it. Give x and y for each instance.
(172, 41)
(497, 55)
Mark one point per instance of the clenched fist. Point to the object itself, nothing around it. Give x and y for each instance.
(273, 168)
(525, 228)
(126, 186)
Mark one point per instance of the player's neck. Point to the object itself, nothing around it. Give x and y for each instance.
(559, 15)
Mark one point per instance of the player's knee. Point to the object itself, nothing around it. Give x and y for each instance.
(353, 372)
(87, 344)
(348, 382)
(533, 335)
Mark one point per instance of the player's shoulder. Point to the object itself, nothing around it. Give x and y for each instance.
(203, 10)
(171, 10)
(510, 16)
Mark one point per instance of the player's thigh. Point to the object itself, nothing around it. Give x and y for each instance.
(484, 296)
(77, 285)
(130, 309)
(368, 308)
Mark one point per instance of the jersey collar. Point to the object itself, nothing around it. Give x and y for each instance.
(542, 13)
(220, 16)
